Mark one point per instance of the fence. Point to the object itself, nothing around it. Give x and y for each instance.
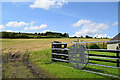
(59, 52)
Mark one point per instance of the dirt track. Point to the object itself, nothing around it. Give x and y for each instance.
(18, 66)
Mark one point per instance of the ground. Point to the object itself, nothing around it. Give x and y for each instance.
(34, 57)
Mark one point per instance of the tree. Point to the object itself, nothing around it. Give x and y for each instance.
(88, 36)
(5, 35)
(65, 35)
(35, 33)
(42, 34)
(75, 37)
(95, 37)
(81, 36)
(38, 33)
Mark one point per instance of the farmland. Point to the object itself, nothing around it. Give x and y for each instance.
(14, 45)
(38, 64)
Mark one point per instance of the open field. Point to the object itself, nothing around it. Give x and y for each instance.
(14, 45)
(37, 64)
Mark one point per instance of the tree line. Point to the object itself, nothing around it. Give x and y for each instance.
(39, 35)
(33, 35)
(87, 36)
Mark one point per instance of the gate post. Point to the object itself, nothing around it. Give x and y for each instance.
(51, 52)
(103, 45)
(117, 57)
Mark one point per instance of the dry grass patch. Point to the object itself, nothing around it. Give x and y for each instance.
(14, 45)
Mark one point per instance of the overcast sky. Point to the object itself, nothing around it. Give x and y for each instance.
(76, 18)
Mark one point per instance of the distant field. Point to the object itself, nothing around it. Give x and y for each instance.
(14, 45)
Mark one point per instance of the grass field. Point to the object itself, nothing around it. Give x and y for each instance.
(14, 45)
(64, 70)
(40, 57)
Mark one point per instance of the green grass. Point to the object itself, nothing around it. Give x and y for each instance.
(16, 69)
(64, 70)
(40, 55)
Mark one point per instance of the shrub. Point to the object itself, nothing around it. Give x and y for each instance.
(94, 46)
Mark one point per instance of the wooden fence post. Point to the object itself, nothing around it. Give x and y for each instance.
(86, 45)
(103, 45)
(117, 56)
(51, 52)
(98, 43)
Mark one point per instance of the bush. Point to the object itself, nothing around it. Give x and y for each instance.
(94, 46)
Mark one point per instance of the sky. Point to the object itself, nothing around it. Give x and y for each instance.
(97, 19)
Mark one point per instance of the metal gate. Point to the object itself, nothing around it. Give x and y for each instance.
(61, 52)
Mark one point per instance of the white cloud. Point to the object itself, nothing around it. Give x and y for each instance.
(18, 31)
(50, 31)
(45, 31)
(36, 27)
(81, 22)
(43, 26)
(11, 31)
(28, 26)
(101, 36)
(88, 27)
(16, 24)
(2, 27)
(47, 4)
(115, 23)
(32, 23)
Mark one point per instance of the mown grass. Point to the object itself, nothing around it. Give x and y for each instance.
(64, 70)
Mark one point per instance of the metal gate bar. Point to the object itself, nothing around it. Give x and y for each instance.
(104, 58)
(103, 65)
(118, 41)
(101, 73)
